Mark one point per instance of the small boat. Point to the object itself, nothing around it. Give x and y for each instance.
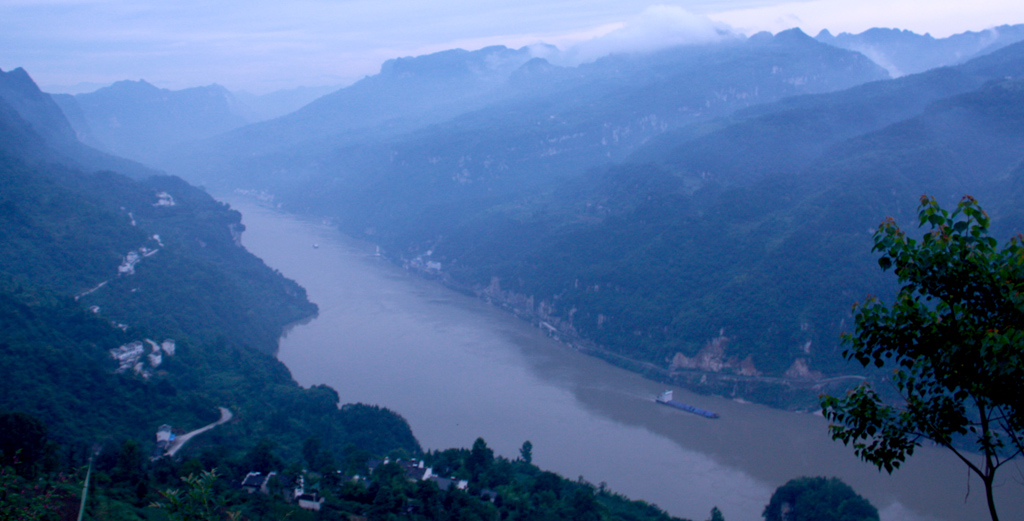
(666, 399)
(316, 246)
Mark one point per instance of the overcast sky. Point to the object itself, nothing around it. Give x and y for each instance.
(264, 45)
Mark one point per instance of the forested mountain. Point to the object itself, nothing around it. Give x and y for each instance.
(729, 240)
(128, 303)
(740, 251)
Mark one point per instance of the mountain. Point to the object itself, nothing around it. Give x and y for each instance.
(129, 308)
(469, 176)
(137, 120)
(905, 52)
(47, 120)
(525, 125)
(701, 214)
(737, 250)
(25, 105)
(128, 303)
(408, 93)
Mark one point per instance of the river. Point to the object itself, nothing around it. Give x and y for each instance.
(457, 368)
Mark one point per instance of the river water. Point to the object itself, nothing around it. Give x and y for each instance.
(457, 369)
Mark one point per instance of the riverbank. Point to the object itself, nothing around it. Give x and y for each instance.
(796, 394)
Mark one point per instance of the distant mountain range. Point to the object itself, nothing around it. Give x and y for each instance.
(137, 120)
(904, 52)
(499, 116)
(699, 210)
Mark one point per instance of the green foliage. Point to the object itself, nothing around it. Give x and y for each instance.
(506, 489)
(32, 500)
(480, 459)
(262, 459)
(197, 502)
(953, 340)
(817, 499)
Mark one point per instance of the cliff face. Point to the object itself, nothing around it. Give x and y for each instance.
(713, 358)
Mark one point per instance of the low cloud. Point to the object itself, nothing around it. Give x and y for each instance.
(657, 27)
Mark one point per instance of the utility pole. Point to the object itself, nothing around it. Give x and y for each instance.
(85, 488)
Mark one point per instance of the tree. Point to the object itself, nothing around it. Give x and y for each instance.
(954, 338)
(716, 515)
(526, 452)
(818, 499)
(128, 471)
(311, 449)
(480, 459)
(262, 458)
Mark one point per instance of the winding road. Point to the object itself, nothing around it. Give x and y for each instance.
(179, 441)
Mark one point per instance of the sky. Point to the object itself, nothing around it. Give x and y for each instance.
(264, 45)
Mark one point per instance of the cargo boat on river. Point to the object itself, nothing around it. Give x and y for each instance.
(666, 399)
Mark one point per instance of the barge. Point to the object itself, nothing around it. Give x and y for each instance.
(666, 399)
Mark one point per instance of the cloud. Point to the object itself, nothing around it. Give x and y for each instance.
(657, 27)
(262, 45)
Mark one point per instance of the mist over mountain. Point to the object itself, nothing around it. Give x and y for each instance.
(698, 208)
(137, 120)
(261, 107)
(497, 109)
(905, 52)
(647, 204)
(682, 201)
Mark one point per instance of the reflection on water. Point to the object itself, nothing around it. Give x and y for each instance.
(457, 369)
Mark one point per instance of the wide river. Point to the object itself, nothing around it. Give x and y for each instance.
(457, 369)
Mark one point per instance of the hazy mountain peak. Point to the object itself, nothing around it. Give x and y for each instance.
(792, 35)
(131, 86)
(138, 120)
(35, 106)
(18, 77)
